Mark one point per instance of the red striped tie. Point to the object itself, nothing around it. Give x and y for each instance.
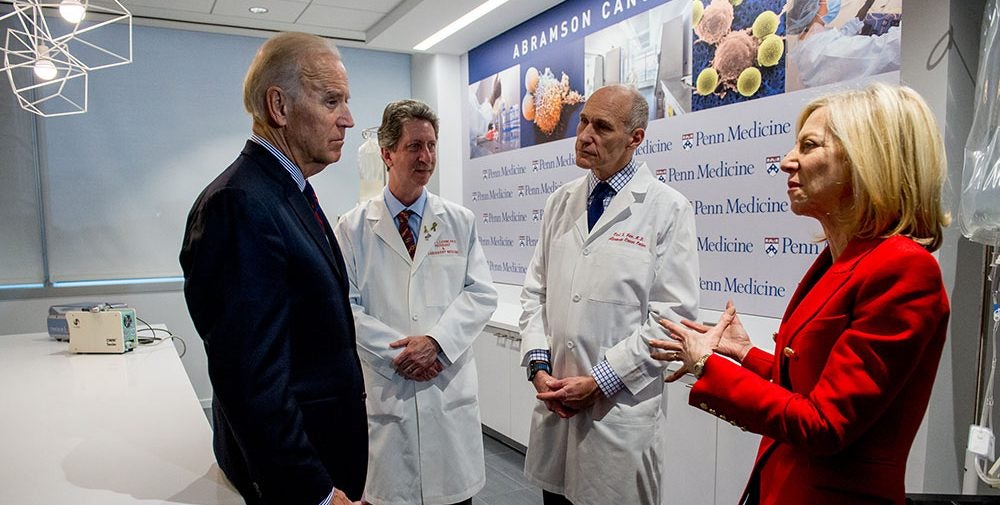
(405, 232)
(314, 204)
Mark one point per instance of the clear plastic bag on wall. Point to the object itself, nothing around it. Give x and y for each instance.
(371, 170)
(979, 213)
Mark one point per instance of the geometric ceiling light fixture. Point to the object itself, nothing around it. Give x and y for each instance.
(45, 79)
(61, 42)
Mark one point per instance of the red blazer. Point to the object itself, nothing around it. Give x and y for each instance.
(840, 402)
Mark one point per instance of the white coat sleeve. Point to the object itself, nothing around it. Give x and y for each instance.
(673, 295)
(533, 324)
(368, 328)
(468, 313)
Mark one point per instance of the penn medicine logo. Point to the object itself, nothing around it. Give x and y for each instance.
(787, 245)
(771, 246)
(773, 165)
(661, 174)
(687, 141)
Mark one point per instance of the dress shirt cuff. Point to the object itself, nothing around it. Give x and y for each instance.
(539, 355)
(606, 378)
(329, 498)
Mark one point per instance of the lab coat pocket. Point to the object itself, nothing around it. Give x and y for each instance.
(386, 396)
(620, 276)
(442, 277)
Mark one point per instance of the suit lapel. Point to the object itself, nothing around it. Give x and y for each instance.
(430, 227)
(385, 228)
(819, 285)
(300, 207)
(324, 239)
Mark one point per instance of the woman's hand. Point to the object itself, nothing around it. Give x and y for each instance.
(692, 341)
(735, 342)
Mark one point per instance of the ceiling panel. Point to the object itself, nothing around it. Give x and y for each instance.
(181, 5)
(382, 6)
(338, 17)
(391, 25)
(277, 10)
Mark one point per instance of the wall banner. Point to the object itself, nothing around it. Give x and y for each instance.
(725, 80)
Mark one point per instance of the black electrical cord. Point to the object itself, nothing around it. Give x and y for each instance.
(154, 340)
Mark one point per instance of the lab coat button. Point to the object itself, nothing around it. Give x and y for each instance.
(415, 317)
(576, 298)
(570, 344)
(586, 251)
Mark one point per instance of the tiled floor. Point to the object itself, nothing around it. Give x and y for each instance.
(505, 484)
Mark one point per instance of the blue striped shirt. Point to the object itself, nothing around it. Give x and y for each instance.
(416, 210)
(292, 168)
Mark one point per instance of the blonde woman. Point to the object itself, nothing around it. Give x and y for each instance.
(839, 402)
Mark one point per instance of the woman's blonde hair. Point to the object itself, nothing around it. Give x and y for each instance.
(892, 146)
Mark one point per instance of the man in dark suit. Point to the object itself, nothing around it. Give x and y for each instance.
(266, 287)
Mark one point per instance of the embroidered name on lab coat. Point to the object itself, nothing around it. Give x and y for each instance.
(445, 246)
(628, 238)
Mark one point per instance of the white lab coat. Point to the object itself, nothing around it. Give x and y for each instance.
(594, 295)
(425, 438)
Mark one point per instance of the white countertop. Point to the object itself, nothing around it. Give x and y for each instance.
(506, 317)
(102, 428)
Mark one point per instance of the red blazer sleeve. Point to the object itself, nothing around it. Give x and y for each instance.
(759, 362)
(864, 344)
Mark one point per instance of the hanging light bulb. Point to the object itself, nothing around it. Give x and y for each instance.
(44, 68)
(72, 10)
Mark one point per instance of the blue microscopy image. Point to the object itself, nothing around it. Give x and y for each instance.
(730, 47)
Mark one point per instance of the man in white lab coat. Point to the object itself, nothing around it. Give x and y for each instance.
(617, 252)
(421, 293)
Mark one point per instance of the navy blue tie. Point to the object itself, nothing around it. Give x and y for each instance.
(596, 207)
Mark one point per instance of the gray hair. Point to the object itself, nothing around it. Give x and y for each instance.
(638, 113)
(399, 112)
(281, 61)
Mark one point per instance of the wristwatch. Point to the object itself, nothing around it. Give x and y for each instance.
(538, 366)
(698, 368)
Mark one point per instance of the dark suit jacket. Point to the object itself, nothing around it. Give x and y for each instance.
(840, 403)
(268, 296)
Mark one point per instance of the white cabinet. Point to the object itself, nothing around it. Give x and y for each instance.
(690, 450)
(506, 398)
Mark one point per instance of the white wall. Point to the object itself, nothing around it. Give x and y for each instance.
(180, 123)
